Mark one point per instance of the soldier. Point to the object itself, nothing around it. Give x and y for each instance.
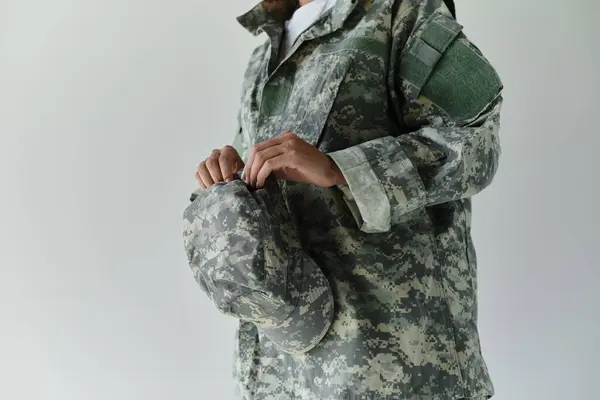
(380, 118)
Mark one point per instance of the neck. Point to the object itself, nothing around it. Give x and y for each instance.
(304, 2)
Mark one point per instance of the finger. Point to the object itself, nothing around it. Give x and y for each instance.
(239, 164)
(212, 164)
(287, 140)
(267, 168)
(205, 175)
(257, 148)
(228, 162)
(199, 180)
(260, 159)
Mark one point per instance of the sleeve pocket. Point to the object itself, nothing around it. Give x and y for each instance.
(442, 72)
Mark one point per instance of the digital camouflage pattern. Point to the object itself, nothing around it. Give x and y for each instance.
(408, 107)
(245, 255)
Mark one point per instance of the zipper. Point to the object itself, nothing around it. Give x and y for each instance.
(299, 41)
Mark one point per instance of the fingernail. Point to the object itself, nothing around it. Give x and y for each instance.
(228, 180)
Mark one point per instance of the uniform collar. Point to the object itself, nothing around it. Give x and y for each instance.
(269, 14)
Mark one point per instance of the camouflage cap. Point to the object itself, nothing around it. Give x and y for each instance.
(244, 252)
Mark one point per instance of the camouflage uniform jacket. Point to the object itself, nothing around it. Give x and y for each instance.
(409, 109)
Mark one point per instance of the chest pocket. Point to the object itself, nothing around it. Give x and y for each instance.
(301, 98)
(314, 99)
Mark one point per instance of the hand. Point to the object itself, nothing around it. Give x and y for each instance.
(218, 167)
(291, 158)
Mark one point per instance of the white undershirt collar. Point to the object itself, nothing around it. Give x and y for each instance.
(302, 19)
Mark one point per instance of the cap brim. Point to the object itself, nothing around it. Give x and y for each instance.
(312, 316)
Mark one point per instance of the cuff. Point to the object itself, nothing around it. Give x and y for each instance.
(363, 192)
(382, 183)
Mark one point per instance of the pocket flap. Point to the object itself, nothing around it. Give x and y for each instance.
(428, 44)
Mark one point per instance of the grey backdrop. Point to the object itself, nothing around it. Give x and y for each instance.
(106, 107)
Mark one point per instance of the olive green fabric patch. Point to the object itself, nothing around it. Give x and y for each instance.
(463, 83)
(274, 97)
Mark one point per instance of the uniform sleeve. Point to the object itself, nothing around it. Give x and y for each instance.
(449, 101)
